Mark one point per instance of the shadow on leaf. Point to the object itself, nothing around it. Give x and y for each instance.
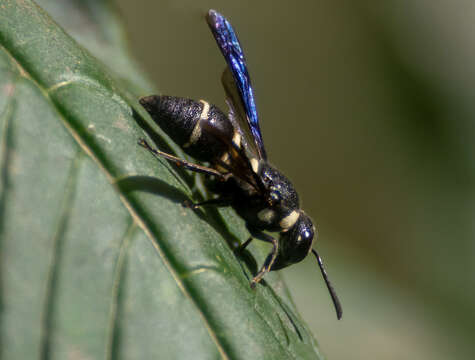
(209, 214)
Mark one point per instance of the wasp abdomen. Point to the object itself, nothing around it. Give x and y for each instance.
(202, 130)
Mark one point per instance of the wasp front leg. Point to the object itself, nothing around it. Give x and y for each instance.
(267, 263)
(267, 266)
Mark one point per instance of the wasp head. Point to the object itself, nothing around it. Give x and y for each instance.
(295, 243)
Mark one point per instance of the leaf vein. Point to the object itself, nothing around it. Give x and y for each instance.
(111, 331)
(5, 150)
(5, 155)
(54, 267)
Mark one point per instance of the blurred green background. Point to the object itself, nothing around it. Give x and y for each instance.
(368, 107)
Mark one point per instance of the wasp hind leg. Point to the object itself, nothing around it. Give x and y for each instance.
(218, 202)
(182, 163)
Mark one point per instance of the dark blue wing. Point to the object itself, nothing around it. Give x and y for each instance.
(232, 52)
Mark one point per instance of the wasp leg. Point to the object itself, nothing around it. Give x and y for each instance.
(183, 163)
(255, 234)
(218, 202)
(243, 246)
(270, 258)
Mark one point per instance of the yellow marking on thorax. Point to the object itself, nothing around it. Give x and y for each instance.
(225, 158)
(237, 139)
(196, 133)
(266, 215)
(290, 220)
(254, 164)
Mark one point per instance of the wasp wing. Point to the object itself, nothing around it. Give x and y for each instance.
(244, 103)
(237, 114)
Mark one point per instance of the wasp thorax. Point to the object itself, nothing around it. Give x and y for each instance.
(281, 192)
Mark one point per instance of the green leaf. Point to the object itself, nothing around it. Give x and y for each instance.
(99, 259)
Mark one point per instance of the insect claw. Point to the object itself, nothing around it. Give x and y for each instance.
(189, 204)
(257, 279)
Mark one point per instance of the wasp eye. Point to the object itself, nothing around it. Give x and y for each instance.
(306, 234)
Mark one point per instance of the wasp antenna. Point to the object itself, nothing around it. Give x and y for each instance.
(336, 301)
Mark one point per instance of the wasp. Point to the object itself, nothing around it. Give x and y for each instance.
(232, 147)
